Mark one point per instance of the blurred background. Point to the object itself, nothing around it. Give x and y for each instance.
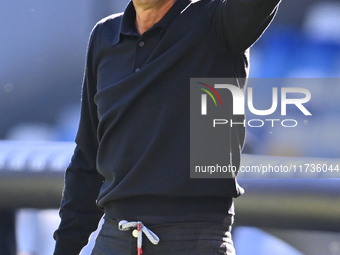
(42, 56)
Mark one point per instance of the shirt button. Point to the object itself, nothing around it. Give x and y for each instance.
(141, 44)
(137, 70)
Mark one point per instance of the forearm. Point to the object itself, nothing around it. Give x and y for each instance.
(243, 21)
(79, 213)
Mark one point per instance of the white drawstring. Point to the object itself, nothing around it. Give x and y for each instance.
(124, 225)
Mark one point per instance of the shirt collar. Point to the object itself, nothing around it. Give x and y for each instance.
(127, 23)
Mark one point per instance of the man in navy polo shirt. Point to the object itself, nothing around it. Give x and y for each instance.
(132, 158)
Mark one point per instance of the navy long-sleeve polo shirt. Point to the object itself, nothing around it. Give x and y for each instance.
(132, 152)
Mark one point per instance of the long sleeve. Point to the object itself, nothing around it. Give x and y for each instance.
(239, 23)
(79, 212)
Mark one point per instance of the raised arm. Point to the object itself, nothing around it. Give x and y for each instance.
(239, 23)
(79, 213)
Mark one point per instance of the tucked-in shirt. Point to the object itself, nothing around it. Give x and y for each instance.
(132, 154)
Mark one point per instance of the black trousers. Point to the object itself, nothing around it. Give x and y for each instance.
(188, 238)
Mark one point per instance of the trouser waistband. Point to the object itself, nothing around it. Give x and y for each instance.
(175, 238)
